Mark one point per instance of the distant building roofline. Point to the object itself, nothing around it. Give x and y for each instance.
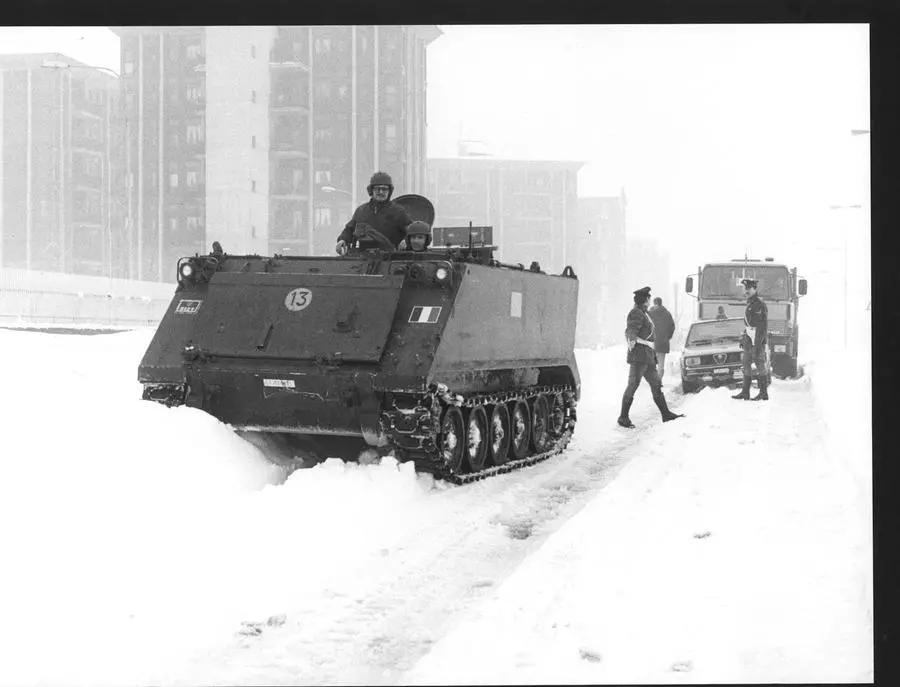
(488, 161)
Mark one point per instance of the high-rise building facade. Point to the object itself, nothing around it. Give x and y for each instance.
(599, 258)
(532, 205)
(263, 137)
(57, 143)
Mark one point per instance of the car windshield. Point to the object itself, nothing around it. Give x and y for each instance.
(714, 331)
(724, 281)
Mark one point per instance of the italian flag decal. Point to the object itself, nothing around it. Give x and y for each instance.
(425, 314)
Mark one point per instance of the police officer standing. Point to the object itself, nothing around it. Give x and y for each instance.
(642, 359)
(756, 324)
(377, 222)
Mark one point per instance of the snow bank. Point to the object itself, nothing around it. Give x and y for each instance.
(135, 534)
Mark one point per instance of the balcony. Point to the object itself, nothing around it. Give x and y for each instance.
(290, 101)
(288, 62)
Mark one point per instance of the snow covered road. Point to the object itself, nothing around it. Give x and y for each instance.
(151, 545)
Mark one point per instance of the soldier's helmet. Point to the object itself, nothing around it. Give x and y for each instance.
(381, 179)
(419, 227)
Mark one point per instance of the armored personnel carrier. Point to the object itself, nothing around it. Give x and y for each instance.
(445, 357)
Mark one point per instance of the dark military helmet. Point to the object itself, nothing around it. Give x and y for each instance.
(419, 227)
(642, 294)
(749, 283)
(381, 179)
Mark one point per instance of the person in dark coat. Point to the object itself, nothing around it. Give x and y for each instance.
(753, 343)
(642, 359)
(378, 223)
(663, 330)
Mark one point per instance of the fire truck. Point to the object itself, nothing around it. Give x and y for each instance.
(720, 294)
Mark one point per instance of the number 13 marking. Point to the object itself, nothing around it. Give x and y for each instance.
(298, 299)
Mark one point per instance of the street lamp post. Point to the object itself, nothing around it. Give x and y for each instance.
(844, 232)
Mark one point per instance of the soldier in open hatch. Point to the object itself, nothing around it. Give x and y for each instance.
(418, 236)
(378, 223)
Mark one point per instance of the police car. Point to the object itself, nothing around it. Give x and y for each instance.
(712, 355)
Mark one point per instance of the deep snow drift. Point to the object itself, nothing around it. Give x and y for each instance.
(144, 544)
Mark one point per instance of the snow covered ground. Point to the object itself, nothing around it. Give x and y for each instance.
(150, 545)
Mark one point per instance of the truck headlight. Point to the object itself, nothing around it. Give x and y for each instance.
(442, 273)
(692, 362)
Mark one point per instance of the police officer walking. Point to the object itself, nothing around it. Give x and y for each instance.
(642, 359)
(377, 222)
(756, 324)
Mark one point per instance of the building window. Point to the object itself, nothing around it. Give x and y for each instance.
(192, 222)
(323, 176)
(252, 96)
(252, 186)
(253, 141)
(390, 131)
(297, 220)
(296, 179)
(193, 51)
(193, 93)
(191, 177)
(129, 67)
(173, 180)
(322, 46)
(252, 51)
(173, 224)
(323, 217)
(252, 231)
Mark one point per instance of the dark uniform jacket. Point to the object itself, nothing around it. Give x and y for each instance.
(663, 327)
(757, 315)
(640, 325)
(387, 218)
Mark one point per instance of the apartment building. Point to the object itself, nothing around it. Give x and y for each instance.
(264, 137)
(532, 205)
(57, 141)
(598, 248)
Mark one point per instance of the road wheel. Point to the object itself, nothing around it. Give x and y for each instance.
(540, 423)
(557, 415)
(477, 438)
(499, 435)
(520, 429)
(452, 444)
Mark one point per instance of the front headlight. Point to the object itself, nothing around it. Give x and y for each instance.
(692, 362)
(442, 273)
(187, 270)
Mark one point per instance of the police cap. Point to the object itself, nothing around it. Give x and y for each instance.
(643, 293)
(749, 283)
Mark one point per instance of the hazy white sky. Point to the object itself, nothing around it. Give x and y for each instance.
(725, 137)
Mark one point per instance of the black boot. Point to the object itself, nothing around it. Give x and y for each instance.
(623, 420)
(763, 394)
(667, 414)
(745, 390)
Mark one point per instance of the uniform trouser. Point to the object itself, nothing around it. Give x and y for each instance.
(648, 371)
(661, 364)
(756, 354)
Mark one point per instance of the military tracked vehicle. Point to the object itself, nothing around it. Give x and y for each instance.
(445, 357)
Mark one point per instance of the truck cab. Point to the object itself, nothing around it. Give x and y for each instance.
(720, 294)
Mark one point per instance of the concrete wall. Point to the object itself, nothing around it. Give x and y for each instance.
(45, 297)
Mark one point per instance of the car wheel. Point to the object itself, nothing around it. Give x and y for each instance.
(689, 387)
